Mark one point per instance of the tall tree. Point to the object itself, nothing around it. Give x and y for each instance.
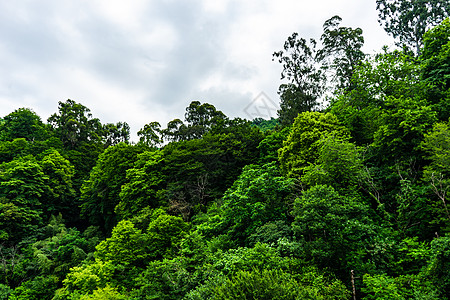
(100, 193)
(330, 227)
(150, 135)
(307, 135)
(341, 51)
(61, 195)
(408, 20)
(113, 134)
(200, 118)
(306, 80)
(257, 197)
(436, 66)
(23, 123)
(74, 124)
(22, 187)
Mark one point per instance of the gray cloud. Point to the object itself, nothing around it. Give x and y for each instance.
(145, 61)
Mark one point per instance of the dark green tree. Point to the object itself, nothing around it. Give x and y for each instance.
(260, 195)
(387, 74)
(151, 134)
(74, 124)
(61, 195)
(100, 193)
(332, 228)
(200, 119)
(436, 68)
(23, 186)
(112, 134)
(436, 144)
(436, 55)
(341, 51)
(305, 80)
(23, 123)
(81, 136)
(268, 148)
(403, 123)
(144, 185)
(200, 170)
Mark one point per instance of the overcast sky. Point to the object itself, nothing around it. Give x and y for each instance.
(143, 61)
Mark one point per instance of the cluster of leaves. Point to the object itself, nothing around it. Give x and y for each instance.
(349, 202)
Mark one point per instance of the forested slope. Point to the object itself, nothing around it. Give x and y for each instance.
(340, 201)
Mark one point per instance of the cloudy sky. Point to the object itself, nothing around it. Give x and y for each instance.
(142, 61)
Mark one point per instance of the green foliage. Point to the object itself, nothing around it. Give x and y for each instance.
(100, 193)
(106, 293)
(341, 52)
(61, 191)
(271, 233)
(293, 102)
(436, 56)
(61, 248)
(436, 67)
(84, 279)
(268, 148)
(74, 124)
(259, 257)
(199, 171)
(5, 291)
(143, 186)
(23, 123)
(298, 60)
(17, 221)
(339, 164)
(266, 125)
(404, 123)
(415, 213)
(193, 169)
(390, 73)
(407, 21)
(305, 139)
(113, 134)
(16, 148)
(200, 118)
(127, 245)
(437, 145)
(22, 188)
(14, 266)
(258, 196)
(376, 82)
(212, 215)
(23, 181)
(382, 287)
(39, 288)
(331, 226)
(165, 234)
(306, 80)
(166, 279)
(150, 135)
(227, 266)
(269, 284)
(439, 264)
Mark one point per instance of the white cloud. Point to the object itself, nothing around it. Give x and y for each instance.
(141, 61)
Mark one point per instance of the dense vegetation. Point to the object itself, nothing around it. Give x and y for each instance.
(347, 201)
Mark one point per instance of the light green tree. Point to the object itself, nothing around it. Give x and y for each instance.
(302, 146)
